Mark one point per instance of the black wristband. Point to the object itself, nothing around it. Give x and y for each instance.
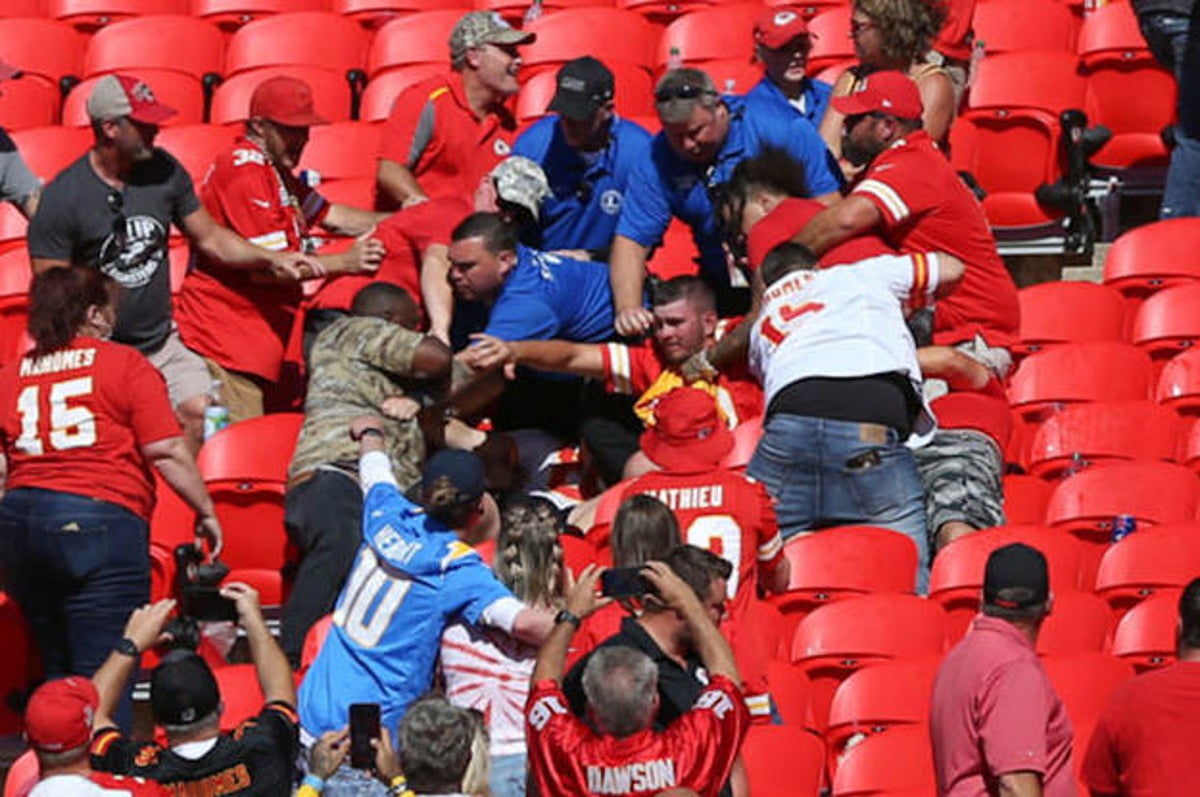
(567, 616)
(127, 647)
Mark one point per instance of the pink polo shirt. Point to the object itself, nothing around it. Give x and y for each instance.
(994, 711)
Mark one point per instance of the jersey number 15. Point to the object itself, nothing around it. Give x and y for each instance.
(70, 426)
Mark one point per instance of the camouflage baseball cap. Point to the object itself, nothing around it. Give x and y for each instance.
(484, 27)
(521, 182)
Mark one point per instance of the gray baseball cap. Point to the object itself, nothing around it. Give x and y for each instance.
(484, 27)
(521, 182)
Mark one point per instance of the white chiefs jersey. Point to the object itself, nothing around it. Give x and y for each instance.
(844, 322)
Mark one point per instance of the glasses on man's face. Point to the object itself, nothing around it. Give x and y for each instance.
(685, 92)
(858, 27)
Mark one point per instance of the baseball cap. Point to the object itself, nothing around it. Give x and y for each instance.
(183, 689)
(521, 182)
(688, 434)
(889, 92)
(60, 713)
(115, 96)
(477, 28)
(584, 86)
(462, 469)
(777, 26)
(287, 101)
(1016, 577)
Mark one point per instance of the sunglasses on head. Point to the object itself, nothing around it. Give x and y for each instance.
(684, 92)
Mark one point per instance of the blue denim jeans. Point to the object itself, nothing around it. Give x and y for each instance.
(809, 466)
(506, 776)
(1175, 41)
(78, 568)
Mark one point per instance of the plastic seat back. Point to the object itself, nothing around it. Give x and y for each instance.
(180, 43)
(1016, 25)
(49, 150)
(1025, 498)
(92, 14)
(831, 42)
(1146, 635)
(633, 94)
(1110, 32)
(23, 775)
(617, 36)
(898, 763)
(197, 146)
(710, 34)
(1075, 372)
(767, 746)
(1168, 322)
(18, 669)
(384, 88)
(1179, 383)
(1103, 431)
(1145, 563)
(15, 276)
(790, 690)
(230, 15)
(1044, 80)
(1080, 623)
(312, 38)
(342, 151)
(43, 49)
(420, 38)
(1068, 312)
(374, 14)
(1154, 256)
(1152, 492)
(241, 694)
(1084, 682)
(313, 641)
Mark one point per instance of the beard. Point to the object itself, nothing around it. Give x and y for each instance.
(859, 153)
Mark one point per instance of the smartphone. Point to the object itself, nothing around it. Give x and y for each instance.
(364, 727)
(209, 605)
(623, 582)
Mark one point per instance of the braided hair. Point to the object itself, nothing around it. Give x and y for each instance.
(529, 554)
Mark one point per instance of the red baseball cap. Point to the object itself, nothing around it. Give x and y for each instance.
(779, 25)
(689, 434)
(115, 96)
(286, 101)
(892, 93)
(60, 713)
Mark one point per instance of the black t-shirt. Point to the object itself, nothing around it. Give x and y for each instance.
(256, 760)
(82, 220)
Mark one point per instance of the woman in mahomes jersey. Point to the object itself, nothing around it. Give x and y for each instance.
(81, 422)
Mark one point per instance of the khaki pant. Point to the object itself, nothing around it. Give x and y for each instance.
(240, 392)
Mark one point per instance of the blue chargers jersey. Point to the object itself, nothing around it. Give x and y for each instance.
(411, 578)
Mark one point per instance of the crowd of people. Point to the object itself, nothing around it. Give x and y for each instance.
(847, 312)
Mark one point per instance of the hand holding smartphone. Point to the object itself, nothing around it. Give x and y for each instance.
(364, 728)
(623, 582)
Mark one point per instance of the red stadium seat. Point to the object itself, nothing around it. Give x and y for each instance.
(421, 38)
(514, 10)
(92, 14)
(719, 33)
(898, 763)
(1152, 492)
(46, 51)
(175, 89)
(245, 469)
(356, 193)
(23, 8)
(1103, 431)
(311, 38)
(197, 146)
(23, 775)
(1146, 637)
(1075, 372)
(342, 151)
(633, 95)
(745, 442)
(877, 699)
(1080, 622)
(616, 36)
(17, 669)
(1025, 498)
(1179, 383)
(661, 12)
(384, 88)
(1008, 25)
(331, 93)
(49, 150)
(1042, 80)
(831, 42)
(1135, 99)
(1168, 322)
(733, 75)
(1068, 312)
(790, 692)
(768, 746)
(373, 14)
(1154, 256)
(28, 102)
(578, 553)
(232, 14)
(162, 573)
(1145, 563)
(241, 694)
(843, 636)
(838, 563)
(179, 43)
(956, 579)
(676, 254)
(15, 275)
(1084, 682)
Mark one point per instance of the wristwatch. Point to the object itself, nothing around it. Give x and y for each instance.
(127, 647)
(567, 616)
(369, 430)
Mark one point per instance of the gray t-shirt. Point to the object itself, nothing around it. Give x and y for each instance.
(83, 220)
(16, 181)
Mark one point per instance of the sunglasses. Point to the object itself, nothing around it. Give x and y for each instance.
(684, 92)
(116, 205)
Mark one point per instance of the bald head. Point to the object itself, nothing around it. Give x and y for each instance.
(387, 301)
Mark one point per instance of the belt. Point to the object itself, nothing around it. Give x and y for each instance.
(302, 478)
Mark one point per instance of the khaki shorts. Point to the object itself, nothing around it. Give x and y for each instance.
(184, 370)
(241, 394)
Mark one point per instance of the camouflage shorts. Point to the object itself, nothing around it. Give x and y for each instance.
(961, 470)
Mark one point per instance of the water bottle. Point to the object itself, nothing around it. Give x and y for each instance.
(216, 414)
(1122, 527)
(533, 12)
(674, 59)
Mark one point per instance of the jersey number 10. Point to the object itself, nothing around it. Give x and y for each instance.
(70, 427)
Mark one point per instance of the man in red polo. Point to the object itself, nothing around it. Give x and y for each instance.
(719, 510)
(445, 133)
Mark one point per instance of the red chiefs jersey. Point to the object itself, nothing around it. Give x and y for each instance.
(93, 784)
(638, 370)
(789, 218)
(406, 235)
(696, 752)
(926, 207)
(228, 314)
(75, 421)
(733, 516)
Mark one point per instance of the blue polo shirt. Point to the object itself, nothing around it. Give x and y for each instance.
(546, 296)
(587, 189)
(666, 185)
(816, 96)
